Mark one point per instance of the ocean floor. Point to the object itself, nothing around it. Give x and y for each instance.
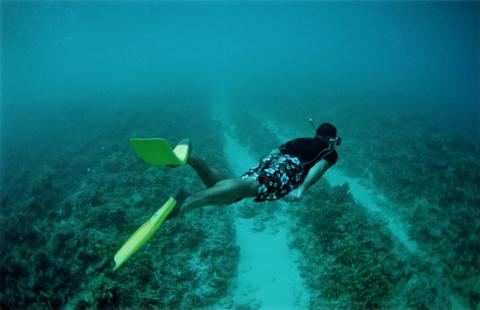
(349, 243)
(268, 276)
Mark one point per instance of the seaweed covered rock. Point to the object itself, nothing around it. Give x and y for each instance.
(89, 198)
(351, 260)
(434, 181)
(190, 264)
(358, 266)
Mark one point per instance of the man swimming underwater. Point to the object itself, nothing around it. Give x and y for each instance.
(287, 172)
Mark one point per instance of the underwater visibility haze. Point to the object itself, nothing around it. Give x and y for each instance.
(394, 223)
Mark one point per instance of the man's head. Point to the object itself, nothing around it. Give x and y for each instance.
(326, 130)
(328, 133)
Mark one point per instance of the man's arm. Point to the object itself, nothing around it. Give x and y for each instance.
(312, 177)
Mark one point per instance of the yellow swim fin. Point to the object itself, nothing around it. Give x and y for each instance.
(158, 152)
(146, 231)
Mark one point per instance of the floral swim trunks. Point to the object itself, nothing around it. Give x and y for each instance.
(276, 175)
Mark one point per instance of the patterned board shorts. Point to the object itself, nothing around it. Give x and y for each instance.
(276, 175)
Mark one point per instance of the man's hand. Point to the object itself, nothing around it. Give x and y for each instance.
(294, 195)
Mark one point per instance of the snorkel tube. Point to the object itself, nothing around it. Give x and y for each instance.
(312, 122)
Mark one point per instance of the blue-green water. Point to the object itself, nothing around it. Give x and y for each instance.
(394, 224)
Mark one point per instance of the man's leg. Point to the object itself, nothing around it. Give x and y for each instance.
(224, 192)
(210, 176)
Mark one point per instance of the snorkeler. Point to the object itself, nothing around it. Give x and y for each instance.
(287, 172)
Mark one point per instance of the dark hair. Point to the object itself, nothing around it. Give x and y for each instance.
(326, 130)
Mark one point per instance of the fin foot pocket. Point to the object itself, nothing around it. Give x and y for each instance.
(180, 197)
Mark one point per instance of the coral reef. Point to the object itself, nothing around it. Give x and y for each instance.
(429, 169)
(59, 236)
(64, 214)
(434, 180)
(351, 261)
(358, 268)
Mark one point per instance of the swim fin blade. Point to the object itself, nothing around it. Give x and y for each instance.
(158, 152)
(147, 230)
